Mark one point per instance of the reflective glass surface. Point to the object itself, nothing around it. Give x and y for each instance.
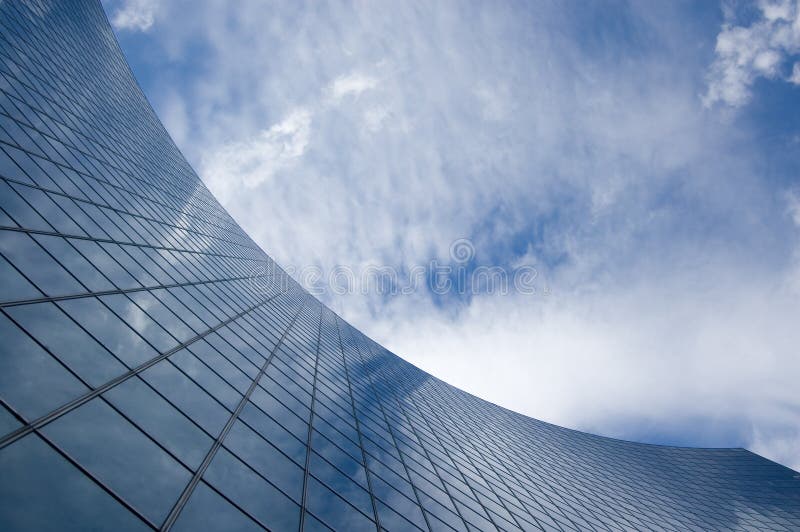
(158, 370)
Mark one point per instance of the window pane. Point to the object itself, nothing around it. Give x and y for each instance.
(7, 421)
(266, 459)
(187, 396)
(138, 320)
(42, 491)
(252, 493)
(62, 336)
(341, 460)
(401, 504)
(51, 212)
(21, 212)
(335, 512)
(207, 379)
(221, 365)
(393, 521)
(312, 524)
(206, 510)
(275, 433)
(161, 314)
(31, 380)
(75, 263)
(102, 261)
(121, 456)
(22, 251)
(280, 413)
(13, 286)
(109, 329)
(160, 420)
(340, 484)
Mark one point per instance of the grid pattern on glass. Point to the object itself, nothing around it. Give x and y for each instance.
(158, 370)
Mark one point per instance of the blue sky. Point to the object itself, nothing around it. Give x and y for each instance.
(642, 157)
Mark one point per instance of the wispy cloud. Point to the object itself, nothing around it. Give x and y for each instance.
(760, 49)
(135, 15)
(237, 167)
(351, 84)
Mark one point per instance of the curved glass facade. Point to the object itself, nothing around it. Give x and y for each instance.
(158, 370)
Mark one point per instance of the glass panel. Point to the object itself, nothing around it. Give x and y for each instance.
(130, 265)
(181, 310)
(138, 320)
(31, 381)
(221, 365)
(41, 491)
(207, 379)
(266, 459)
(339, 483)
(8, 168)
(187, 396)
(280, 413)
(120, 456)
(13, 286)
(206, 510)
(48, 210)
(72, 208)
(21, 212)
(160, 420)
(75, 263)
(335, 512)
(62, 336)
(440, 512)
(21, 250)
(251, 492)
(109, 329)
(7, 421)
(274, 433)
(341, 460)
(102, 261)
(6, 221)
(161, 314)
(312, 524)
(394, 522)
(398, 502)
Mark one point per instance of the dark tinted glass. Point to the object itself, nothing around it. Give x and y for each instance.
(163, 422)
(32, 382)
(207, 510)
(116, 335)
(68, 342)
(121, 456)
(40, 490)
(252, 492)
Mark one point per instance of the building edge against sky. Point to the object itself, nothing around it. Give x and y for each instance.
(159, 370)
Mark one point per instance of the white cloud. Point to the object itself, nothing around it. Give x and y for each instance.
(609, 360)
(795, 77)
(352, 84)
(745, 53)
(793, 206)
(783, 448)
(175, 117)
(375, 116)
(238, 167)
(135, 15)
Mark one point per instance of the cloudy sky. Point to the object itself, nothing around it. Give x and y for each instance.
(641, 158)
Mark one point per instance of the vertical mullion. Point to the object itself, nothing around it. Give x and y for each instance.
(358, 427)
(310, 424)
(391, 433)
(189, 489)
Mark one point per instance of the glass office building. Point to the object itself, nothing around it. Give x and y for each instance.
(159, 371)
